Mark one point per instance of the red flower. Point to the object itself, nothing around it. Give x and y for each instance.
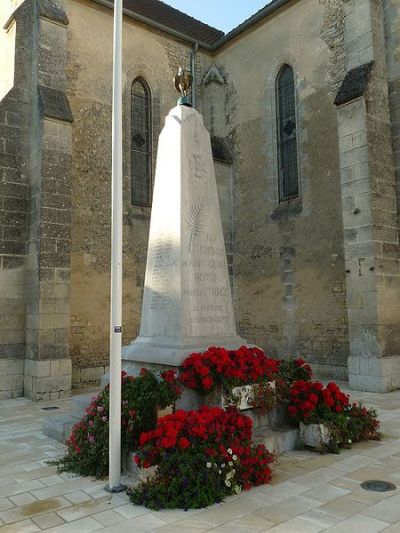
(183, 443)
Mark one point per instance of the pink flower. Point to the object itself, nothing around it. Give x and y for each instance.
(91, 439)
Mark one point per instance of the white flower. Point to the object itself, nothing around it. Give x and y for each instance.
(236, 489)
(230, 463)
(230, 451)
(223, 465)
(234, 457)
(219, 472)
(208, 465)
(215, 465)
(228, 483)
(349, 441)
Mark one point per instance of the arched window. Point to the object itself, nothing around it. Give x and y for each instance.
(141, 135)
(287, 135)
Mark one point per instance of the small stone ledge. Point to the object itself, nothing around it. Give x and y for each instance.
(53, 12)
(286, 209)
(354, 84)
(221, 151)
(55, 104)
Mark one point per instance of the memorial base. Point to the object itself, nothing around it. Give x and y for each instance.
(164, 352)
(147, 353)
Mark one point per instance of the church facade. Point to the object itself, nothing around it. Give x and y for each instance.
(302, 102)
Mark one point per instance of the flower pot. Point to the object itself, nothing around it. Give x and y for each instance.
(241, 397)
(163, 412)
(314, 435)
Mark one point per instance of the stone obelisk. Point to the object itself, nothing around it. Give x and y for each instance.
(187, 301)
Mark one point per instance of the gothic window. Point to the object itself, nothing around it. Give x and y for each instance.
(287, 136)
(141, 135)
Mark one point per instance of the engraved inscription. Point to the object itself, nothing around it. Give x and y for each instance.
(162, 272)
(210, 299)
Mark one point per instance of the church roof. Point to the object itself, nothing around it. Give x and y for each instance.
(167, 18)
(173, 19)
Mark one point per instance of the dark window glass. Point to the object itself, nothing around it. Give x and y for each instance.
(141, 144)
(287, 135)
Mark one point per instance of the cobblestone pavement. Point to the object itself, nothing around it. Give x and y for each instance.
(309, 492)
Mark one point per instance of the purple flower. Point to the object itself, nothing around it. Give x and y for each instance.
(91, 439)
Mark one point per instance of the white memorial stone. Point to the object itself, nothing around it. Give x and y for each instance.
(187, 302)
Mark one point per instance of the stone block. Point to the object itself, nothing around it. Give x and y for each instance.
(51, 384)
(353, 364)
(10, 367)
(66, 367)
(13, 384)
(37, 369)
(49, 379)
(374, 374)
(370, 383)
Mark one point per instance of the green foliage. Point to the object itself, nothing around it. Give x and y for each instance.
(355, 424)
(183, 480)
(88, 445)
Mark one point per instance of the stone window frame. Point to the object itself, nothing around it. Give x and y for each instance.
(141, 70)
(148, 89)
(288, 89)
(292, 206)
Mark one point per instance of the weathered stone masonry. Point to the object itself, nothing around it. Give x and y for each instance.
(369, 204)
(36, 231)
(317, 276)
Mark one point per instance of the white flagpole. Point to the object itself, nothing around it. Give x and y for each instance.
(114, 482)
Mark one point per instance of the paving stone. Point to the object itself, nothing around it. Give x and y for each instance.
(48, 520)
(23, 499)
(360, 523)
(302, 494)
(384, 510)
(85, 525)
(33, 509)
(25, 526)
(91, 507)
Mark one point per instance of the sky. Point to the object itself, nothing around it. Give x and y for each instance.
(222, 14)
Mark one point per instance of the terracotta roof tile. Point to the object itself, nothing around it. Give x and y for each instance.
(174, 19)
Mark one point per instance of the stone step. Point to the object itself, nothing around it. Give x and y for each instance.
(279, 439)
(58, 427)
(79, 404)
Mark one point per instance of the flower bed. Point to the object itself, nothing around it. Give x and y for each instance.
(214, 444)
(87, 447)
(246, 377)
(226, 369)
(328, 420)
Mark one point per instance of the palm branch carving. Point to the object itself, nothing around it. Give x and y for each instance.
(197, 217)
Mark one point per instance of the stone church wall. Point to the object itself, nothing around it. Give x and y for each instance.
(155, 57)
(288, 258)
(314, 277)
(16, 42)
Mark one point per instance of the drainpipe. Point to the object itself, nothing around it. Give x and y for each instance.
(193, 69)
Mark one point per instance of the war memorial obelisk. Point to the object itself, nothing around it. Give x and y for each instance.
(187, 301)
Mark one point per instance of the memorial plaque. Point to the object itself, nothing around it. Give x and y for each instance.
(187, 302)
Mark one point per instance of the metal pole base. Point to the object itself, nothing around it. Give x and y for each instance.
(118, 488)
